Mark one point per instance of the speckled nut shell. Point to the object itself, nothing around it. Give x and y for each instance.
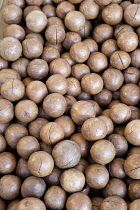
(7, 111)
(131, 15)
(74, 21)
(70, 157)
(33, 203)
(132, 132)
(10, 49)
(36, 21)
(114, 202)
(92, 83)
(132, 166)
(12, 14)
(93, 133)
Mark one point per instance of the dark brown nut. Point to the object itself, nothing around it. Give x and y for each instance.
(72, 180)
(36, 91)
(131, 75)
(78, 200)
(55, 197)
(35, 127)
(79, 52)
(97, 62)
(70, 100)
(22, 169)
(113, 79)
(3, 143)
(12, 14)
(55, 34)
(54, 177)
(108, 122)
(29, 9)
(102, 32)
(13, 204)
(60, 66)
(63, 8)
(49, 54)
(114, 202)
(131, 166)
(82, 142)
(14, 132)
(120, 144)
(13, 90)
(26, 111)
(33, 187)
(84, 96)
(135, 205)
(121, 29)
(14, 31)
(135, 59)
(80, 70)
(13, 192)
(7, 162)
(134, 190)
(45, 147)
(92, 83)
(32, 50)
(120, 113)
(40, 164)
(7, 111)
(54, 105)
(70, 38)
(127, 41)
(36, 21)
(70, 157)
(120, 60)
(74, 88)
(34, 2)
(112, 14)
(104, 97)
(38, 69)
(74, 21)
(97, 176)
(81, 111)
(51, 133)
(91, 44)
(20, 66)
(96, 201)
(49, 10)
(29, 144)
(113, 102)
(67, 124)
(116, 168)
(130, 94)
(57, 83)
(103, 2)
(109, 46)
(89, 9)
(103, 152)
(33, 203)
(91, 128)
(10, 49)
(132, 132)
(131, 15)
(115, 187)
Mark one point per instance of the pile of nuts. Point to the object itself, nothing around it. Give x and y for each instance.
(69, 105)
